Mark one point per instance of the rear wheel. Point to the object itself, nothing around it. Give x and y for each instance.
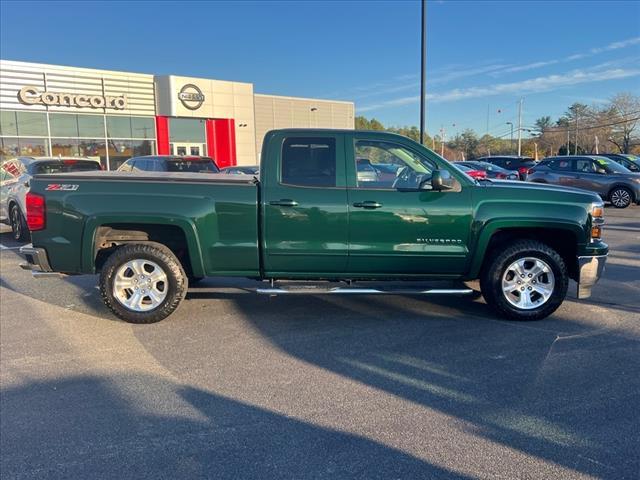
(621, 197)
(18, 224)
(143, 283)
(527, 281)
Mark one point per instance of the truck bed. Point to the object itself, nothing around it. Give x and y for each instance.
(214, 217)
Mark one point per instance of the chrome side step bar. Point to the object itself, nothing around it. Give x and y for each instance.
(361, 291)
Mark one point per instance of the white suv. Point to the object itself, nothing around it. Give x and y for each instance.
(14, 184)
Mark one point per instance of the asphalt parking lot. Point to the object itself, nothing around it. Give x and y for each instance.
(240, 386)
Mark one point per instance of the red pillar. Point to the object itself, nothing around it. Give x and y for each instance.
(162, 135)
(221, 141)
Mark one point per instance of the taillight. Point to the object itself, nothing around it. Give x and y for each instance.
(501, 175)
(35, 211)
(523, 170)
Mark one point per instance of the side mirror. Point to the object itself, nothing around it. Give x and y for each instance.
(441, 180)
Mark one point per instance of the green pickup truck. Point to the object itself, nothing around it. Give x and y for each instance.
(323, 209)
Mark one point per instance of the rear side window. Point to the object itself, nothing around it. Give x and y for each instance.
(309, 161)
(65, 166)
(191, 165)
(560, 164)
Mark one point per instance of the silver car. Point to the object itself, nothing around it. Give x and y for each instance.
(601, 175)
(14, 185)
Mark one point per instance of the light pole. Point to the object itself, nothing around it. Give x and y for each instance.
(520, 127)
(423, 96)
(511, 123)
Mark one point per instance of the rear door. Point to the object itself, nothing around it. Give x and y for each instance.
(305, 214)
(561, 172)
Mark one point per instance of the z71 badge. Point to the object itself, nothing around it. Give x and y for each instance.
(62, 186)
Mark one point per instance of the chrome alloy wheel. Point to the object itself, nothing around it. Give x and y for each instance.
(140, 285)
(620, 198)
(16, 224)
(528, 283)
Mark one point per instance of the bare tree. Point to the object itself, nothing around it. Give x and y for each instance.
(625, 113)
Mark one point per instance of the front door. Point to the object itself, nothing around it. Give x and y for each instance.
(188, 149)
(305, 220)
(395, 228)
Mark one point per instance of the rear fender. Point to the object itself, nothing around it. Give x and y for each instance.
(187, 226)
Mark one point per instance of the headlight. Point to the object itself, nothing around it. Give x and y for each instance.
(637, 180)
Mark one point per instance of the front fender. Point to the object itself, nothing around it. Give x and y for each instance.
(187, 226)
(486, 230)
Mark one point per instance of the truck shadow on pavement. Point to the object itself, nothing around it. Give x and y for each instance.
(552, 389)
(89, 427)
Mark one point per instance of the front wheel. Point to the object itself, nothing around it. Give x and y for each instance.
(526, 281)
(143, 282)
(621, 197)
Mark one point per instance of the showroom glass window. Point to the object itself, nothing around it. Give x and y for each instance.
(23, 134)
(108, 138)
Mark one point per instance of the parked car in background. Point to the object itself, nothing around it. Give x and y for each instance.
(601, 175)
(386, 171)
(169, 163)
(512, 163)
(365, 171)
(493, 171)
(241, 170)
(14, 184)
(472, 172)
(630, 162)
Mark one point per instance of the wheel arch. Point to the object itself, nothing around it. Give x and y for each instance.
(104, 237)
(626, 187)
(562, 237)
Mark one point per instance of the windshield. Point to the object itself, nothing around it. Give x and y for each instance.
(192, 165)
(65, 166)
(610, 166)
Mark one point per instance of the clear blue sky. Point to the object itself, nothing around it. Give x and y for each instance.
(480, 54)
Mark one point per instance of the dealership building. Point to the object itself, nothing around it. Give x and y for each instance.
(112, 116)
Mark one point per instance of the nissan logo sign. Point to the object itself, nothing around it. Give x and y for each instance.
(32, 96)
(191, 96)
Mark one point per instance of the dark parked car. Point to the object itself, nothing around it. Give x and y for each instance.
(241, 170)
(493, 171)
(601, 175)
(522, 165)
(169, 163)
(631, 162)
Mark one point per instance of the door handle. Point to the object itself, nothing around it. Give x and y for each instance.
(285, 202)
(367, 204)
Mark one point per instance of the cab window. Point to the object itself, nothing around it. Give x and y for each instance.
(309, 162)
(388, 165)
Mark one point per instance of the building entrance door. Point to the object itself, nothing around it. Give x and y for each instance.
(197, 149)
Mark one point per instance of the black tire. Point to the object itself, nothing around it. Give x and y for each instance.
(621, 197)
(19, 227)
(492, 276)
(177, 283)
